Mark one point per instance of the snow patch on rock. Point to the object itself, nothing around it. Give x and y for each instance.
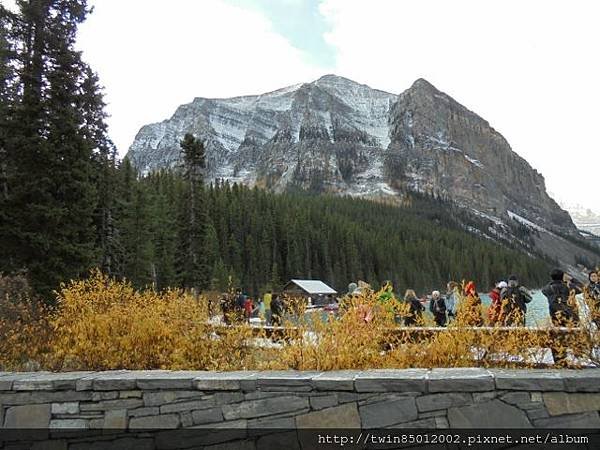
(524, 221)
(440, 142)
(475, 162)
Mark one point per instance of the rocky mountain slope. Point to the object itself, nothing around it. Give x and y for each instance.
(335, 135)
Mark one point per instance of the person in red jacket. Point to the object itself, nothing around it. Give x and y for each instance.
(248, 308)
(470, 307)
(496, 305)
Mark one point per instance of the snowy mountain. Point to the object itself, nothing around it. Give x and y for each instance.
(264, 138)
(335, 135)
(584, 218)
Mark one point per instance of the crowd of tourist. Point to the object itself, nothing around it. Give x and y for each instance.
(508, 303)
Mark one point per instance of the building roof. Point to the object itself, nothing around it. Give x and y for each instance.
(313, 286)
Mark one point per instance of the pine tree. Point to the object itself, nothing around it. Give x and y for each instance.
(105, 177)
(164, 224)
(193, 266)
(135, 228)
(51, 191)
(220, 276)
(72, 145)
(7, 102)
(22, 142)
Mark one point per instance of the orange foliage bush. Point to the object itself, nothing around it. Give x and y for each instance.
(24, 327)
(102, 324)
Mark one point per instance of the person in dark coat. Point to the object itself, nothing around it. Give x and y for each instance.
(558, 292)
(240, 299)
(240, 304)
(415, 311)
(228, 308)
(276, 311)
(514, 300)
(437, 306)
(593, 296)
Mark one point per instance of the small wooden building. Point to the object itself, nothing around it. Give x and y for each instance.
(316, 290)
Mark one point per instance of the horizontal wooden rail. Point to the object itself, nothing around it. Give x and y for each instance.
(418, 332)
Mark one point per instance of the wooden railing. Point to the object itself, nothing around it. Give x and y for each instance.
(417, 333)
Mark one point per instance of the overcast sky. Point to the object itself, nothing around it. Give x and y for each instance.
(531, 68)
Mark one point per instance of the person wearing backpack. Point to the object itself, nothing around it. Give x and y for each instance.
(414, 315)
(514, 300)
(437, 306)
(277, 308)
(240, 305)
(496, 303)
(451, 299)
(593, 296)
(562, 312)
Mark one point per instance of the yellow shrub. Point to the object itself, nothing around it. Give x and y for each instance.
(104, 324)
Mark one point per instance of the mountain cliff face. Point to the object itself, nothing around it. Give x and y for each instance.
(335, 135)
(439, 146)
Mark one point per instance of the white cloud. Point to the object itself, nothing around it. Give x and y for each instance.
(153, 56)
(530, 68)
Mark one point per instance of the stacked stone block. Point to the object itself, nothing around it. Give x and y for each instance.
(124, 406)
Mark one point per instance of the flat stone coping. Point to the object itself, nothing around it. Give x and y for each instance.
(376, 380)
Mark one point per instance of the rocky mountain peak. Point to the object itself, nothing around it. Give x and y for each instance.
(331, 80)
(423, 85)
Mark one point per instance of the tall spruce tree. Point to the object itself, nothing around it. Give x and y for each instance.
(164, 188)
(51, 191)
(104, 173)
(134, 223)
(7, 99)
(194, 269)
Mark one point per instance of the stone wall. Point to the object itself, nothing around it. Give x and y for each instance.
(118, 404)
